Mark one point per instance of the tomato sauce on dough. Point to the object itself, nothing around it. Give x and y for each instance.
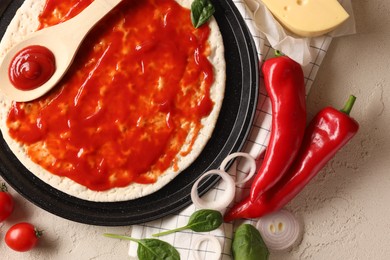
(132, 101)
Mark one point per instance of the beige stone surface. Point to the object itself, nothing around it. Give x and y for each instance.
(345, 209)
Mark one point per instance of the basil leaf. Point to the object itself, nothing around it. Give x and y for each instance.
(151, 249)
(205, 220)
(155, 249)
(201, 11)
(248, 244)
(200, 221)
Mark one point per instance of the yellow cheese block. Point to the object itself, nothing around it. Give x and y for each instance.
(308, 18)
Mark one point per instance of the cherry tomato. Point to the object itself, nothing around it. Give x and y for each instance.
(6, 203)
(22, 237)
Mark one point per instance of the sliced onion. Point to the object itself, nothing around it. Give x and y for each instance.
(280, 230)
(223, 200)
(216, 246)
(240, 154)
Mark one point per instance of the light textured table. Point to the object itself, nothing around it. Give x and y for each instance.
(345, 209)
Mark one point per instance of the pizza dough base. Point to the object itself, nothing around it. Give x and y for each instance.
(26, 22)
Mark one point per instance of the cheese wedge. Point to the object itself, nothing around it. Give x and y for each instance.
(308, 18)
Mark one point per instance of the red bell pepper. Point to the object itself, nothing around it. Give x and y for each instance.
(284, 83)
(329, 130)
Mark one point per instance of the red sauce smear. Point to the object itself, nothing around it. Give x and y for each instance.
(31, 67)
(138, 86)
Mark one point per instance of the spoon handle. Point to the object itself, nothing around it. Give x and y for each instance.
(85, 21)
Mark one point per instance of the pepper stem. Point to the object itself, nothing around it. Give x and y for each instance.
(348, 106)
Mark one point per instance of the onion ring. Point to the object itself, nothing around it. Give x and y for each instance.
(224, 200)
(215, 245)
(240, 154)
(280, 230)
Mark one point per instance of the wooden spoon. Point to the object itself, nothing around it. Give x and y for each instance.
(63, 40)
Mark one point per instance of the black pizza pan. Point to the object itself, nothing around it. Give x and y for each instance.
(230, 133)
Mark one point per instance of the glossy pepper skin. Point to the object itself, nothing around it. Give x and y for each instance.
(329, 130)
(284, 83)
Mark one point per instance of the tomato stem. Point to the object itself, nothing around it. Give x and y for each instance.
(278, 53)
(38, 233)
(3, 187)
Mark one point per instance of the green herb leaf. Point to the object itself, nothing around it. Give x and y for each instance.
(151, 249)
(200, 221)
(205, 220)
(201, 11)
(248, 244)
